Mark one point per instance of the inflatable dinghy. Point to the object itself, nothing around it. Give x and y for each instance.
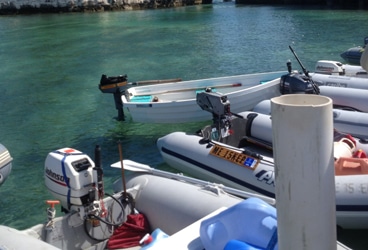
(145, 210)
(346, 121)
(237, 151)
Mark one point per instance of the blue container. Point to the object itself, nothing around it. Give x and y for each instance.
(240, 245)
(252, 221)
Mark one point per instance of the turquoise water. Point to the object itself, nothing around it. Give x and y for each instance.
(51, 66)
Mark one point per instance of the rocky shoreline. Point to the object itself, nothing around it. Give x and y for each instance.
(28, 7)
(16, 7)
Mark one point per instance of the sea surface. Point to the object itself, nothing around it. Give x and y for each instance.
(51, 66)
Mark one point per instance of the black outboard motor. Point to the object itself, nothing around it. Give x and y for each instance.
(115, 85)
(295, 83)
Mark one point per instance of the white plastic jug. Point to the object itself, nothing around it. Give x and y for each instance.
(344, 148)
(252, 221)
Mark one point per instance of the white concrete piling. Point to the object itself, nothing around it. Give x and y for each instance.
(304, 166)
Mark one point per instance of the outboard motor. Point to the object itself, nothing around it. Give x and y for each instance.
(70, 176)
(77, 182)
(224, 121)
(115, 85)
(295, 83)
(217, 104)
(229, 128)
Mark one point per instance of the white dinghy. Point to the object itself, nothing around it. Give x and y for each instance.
(173, 101)
(237, 151)
(176, 102)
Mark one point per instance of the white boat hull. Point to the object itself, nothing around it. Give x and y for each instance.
(347, 97)
(186, 153)
(175, 105)
(351, 122)
(340, 81)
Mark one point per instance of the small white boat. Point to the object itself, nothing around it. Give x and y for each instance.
(237, 151)
(176, 102)
(5, 164)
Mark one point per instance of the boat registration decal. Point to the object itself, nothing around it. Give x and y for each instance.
(234, 157)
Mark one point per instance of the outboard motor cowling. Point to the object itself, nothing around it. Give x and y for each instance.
(69, 177)
(295, 83)
(214, 102)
